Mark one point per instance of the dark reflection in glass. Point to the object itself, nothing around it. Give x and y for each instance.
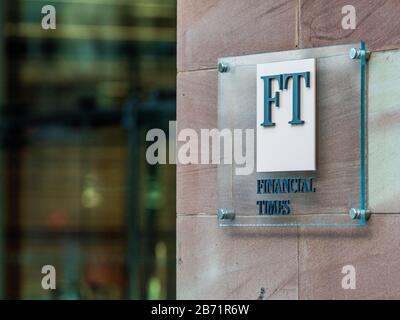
(76, 192)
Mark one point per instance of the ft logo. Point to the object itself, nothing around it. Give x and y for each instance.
(283, 81)
(286, 116)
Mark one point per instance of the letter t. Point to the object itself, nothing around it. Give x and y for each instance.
(296, 115)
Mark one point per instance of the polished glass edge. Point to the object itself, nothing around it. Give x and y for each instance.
(293, 54)
(363, 63)
(313, 220)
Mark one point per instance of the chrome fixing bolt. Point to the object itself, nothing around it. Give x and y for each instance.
(226, 214)
(223, 67)
(356, 213)
(356, 54)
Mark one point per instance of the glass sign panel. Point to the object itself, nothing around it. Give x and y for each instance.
(297, 121)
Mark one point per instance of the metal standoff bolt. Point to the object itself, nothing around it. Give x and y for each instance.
(223, 67)
(356, 213)
(356, 54)
(226, 214)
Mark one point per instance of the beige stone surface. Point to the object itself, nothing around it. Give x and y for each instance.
(217, 263)
(197, 99)
(196, 109)
(377, 23)
(208, 29)
(373, 251)
(196, 189)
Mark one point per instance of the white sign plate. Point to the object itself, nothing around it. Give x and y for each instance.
(286, 116)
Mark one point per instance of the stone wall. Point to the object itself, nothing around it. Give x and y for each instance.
(214, 263)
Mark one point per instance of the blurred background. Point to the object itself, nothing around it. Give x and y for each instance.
(75, 189)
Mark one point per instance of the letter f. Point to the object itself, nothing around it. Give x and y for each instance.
(268, 100)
